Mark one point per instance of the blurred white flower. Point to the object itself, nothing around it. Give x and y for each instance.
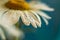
(30, 14)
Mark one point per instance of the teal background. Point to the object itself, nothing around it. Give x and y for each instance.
(49, 32)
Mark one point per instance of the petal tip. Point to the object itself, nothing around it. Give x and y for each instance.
(52, 9)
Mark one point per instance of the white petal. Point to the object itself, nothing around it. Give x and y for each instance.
(2, 11)
(24, 18)
(46, 21)
(12, 31)
(38, 24)
(45, 7)
(40, 5)
(42, 14)
(32, 20)
(2, 35)
(27, 16)
(39, 20)
(11, 16)
(15, 17)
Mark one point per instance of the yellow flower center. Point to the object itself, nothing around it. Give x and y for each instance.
(17, 5)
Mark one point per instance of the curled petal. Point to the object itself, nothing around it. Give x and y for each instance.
(30, 18)
(24, 18)
(27, 16)
(38, 22)
(33, 22)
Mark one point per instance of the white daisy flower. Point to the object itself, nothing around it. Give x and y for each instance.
(30, 13)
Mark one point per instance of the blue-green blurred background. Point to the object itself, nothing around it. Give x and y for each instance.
(49, 32)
